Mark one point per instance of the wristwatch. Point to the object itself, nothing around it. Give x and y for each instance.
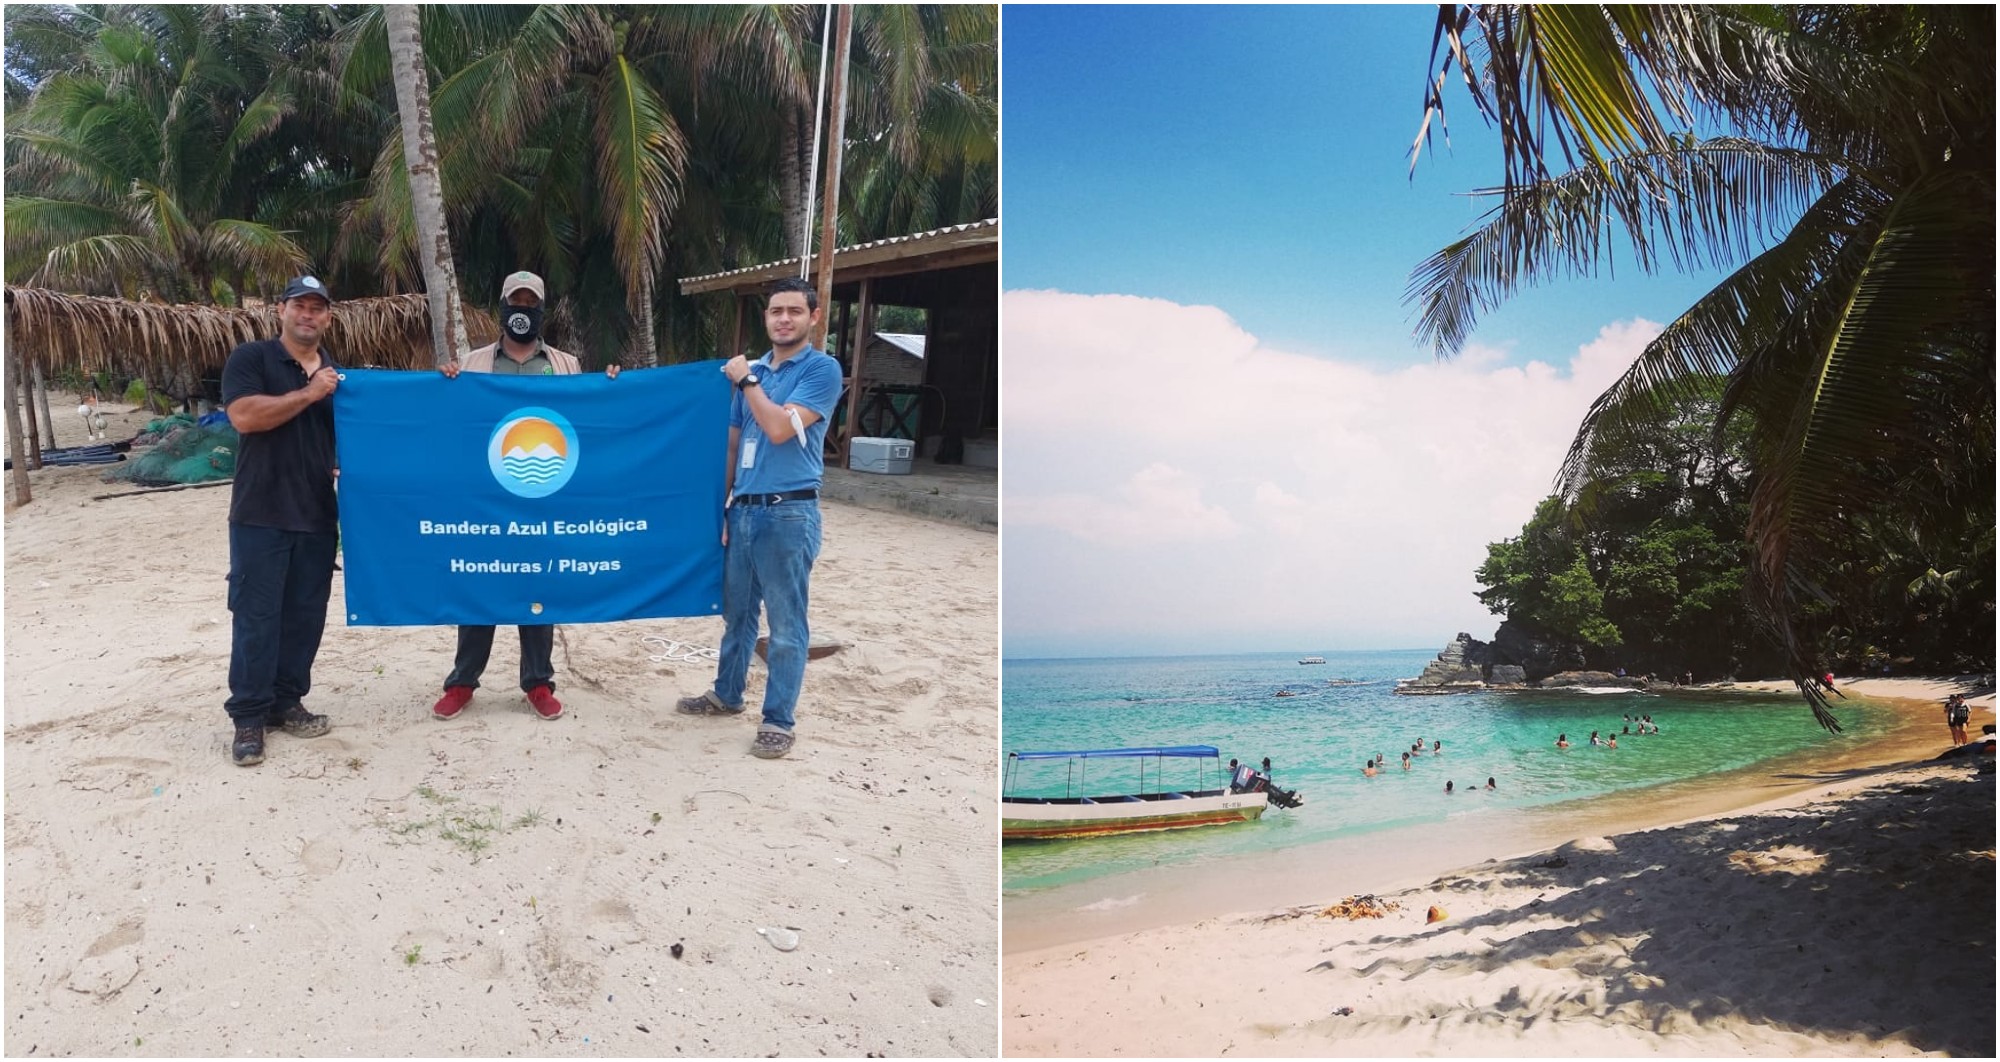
(748, 381)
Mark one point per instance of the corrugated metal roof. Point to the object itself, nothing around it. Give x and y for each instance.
(915, 237)
(903, 341)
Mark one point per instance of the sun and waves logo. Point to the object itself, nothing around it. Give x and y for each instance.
(533, 452)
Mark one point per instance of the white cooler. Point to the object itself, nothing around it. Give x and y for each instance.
(886, 456)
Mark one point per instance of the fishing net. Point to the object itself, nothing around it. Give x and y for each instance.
(187, 453)
(160, 427)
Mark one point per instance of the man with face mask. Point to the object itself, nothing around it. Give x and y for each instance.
(520, 352)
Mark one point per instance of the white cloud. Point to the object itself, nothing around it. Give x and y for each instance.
(1171, 481)
(1158, 503)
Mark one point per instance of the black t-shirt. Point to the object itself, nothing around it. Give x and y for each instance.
(284, 477)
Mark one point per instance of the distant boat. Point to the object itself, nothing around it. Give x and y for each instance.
(1313, 660)
(1285, 693)
(1349, 682)
(1240, 798)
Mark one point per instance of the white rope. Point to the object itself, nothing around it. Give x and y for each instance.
(683, 652)
(812, 164)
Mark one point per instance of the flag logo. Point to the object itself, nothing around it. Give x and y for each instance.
(533, 452)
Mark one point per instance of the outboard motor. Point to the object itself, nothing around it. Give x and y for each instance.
(1284, 798)
(1245, 780)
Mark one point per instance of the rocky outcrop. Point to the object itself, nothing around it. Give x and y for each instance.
(1591, 678)
(1466, 663)
(1538, 655)
(1459, 664)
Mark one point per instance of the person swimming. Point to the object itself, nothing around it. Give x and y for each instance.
(1437, 749)
(1611, 742)
(1447, 787)
(1562, 741)
(1490, 783)
(1406, 761)
(1368, 768)
(1594, 739)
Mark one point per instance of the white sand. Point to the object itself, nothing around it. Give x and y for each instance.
(160, 900)
(1851, 918)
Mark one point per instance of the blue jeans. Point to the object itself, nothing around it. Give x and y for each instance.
(768, 562)
(279, 583)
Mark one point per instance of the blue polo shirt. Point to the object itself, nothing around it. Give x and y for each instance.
(810, 379)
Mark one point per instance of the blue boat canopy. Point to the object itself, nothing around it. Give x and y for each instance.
(1202, 751)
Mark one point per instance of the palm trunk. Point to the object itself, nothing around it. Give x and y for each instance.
(642, 351)
(413, 102)
(22, 389)
(794, 163)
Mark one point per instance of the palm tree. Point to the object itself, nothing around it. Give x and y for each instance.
(1858, 344)
(413, 99)
(137, 157)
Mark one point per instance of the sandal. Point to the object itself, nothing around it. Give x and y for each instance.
(707, 703)
(771, 742)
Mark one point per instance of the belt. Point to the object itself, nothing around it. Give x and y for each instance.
(773, 499)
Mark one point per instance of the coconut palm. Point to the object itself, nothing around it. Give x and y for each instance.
(1853, 199)
(413, 104)
(142, 149)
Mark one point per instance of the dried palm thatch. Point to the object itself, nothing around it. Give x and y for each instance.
(89, 333)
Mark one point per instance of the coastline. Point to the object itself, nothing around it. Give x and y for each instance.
(1088, 958)
(1167, 895)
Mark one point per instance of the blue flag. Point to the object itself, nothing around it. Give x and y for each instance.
(531, 499)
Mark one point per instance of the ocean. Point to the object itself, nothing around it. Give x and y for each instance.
(1318, 740)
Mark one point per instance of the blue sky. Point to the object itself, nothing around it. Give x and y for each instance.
(1256, 159)
(1219, 433)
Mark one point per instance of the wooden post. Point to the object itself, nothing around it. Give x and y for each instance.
(42, 402)
(23, 391)
(16, 444)
(830, 204)
(736, 326)
(854, 366)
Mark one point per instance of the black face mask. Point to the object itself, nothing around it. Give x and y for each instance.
(522, 323)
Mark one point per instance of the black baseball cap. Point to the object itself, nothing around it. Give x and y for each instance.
(306, 285)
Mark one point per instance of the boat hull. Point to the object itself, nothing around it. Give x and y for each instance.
(1022, 820)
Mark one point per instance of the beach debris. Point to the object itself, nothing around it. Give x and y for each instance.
(1355, 907)
(780, 937)
(676, 950)
(1343, 1012)
(1435, 914)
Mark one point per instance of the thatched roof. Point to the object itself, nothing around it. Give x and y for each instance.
(95, 334)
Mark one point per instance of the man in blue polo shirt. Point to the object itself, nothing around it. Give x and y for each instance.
(283, 519)
(770, 534)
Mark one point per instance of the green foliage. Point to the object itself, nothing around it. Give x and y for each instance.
(1851, 198)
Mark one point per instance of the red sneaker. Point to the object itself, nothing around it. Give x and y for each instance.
(544, 700)
(453, 702)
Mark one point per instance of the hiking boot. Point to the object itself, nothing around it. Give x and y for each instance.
(544, 700)
(248, 749)
(293, 719)
(453, 702)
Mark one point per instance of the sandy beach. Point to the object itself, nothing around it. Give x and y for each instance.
(496, 884)
(1844, 909)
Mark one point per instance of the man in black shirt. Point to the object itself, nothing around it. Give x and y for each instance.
(283, 526)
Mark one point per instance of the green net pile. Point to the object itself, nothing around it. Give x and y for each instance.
(188, 453)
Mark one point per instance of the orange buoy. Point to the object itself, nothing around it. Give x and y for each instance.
(1435, 914)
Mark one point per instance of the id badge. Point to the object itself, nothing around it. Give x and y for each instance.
(749, 454)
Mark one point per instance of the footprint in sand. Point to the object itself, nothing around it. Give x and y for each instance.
(111, 962)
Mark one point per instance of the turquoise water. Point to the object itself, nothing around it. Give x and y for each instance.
(1318, 740)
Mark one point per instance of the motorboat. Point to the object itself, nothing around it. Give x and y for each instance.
(1313, 660)
(1136, 808)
